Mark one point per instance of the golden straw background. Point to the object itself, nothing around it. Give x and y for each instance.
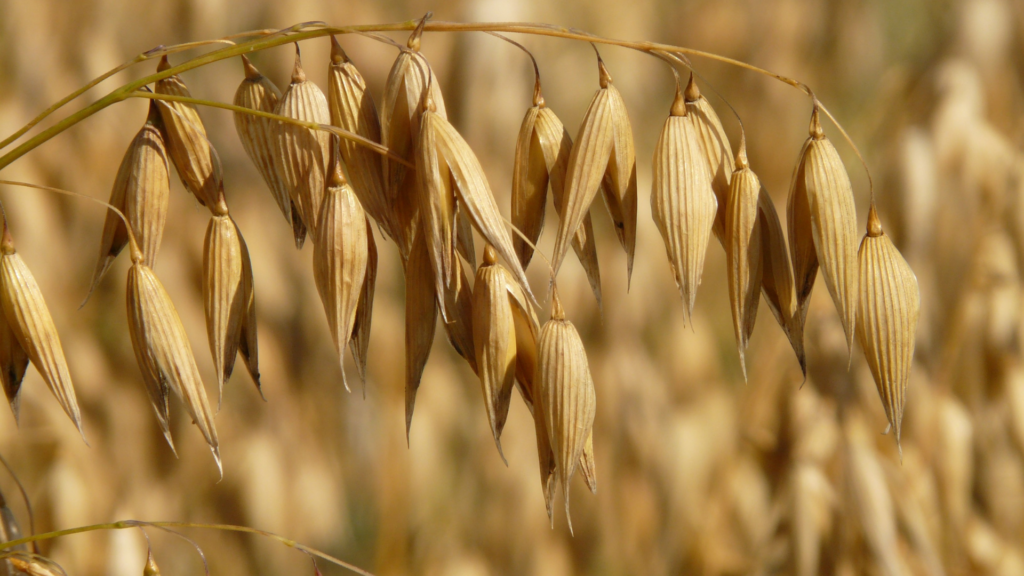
(698, 472)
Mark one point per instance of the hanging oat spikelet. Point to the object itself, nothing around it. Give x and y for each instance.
(603, 151)
(360, 342)
(142, 192)
(302, 154)
(164, 354)
(420, 320)
(404, 100)
(228, 297)
(743, 246)
(257, 133)
(682, 201)
(352, 109)
(30, 321)
(566, 392)
(542, 156)
(458, 299)
(889, 307)
(717, 150)
(440, 144)
(435, 201)
(339, 259)
(190, 150)
(13, 363)
(777, 277)
(823, 227)
(494, 337)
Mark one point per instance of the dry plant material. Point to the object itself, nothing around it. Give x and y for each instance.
(603, 154)
(717, 150)
(777, 277)
(823, 227)
(682, 202)
(404, 99)
(889, 308)
(458, 298)
(440, 146)
(360, 342)
(190, 150)
(542, 156)
(29, 320)
(257, 133)
(494, 337)
(13, 364)
(142, 192)
(587, 464)
(566, 394)
(743, 248)
(420, 320)
(151, 569)
(301, 153)
(35, 565)
(340, 255)
(164, 354)
(228, 298)
(352, 109)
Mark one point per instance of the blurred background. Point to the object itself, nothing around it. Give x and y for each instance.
(699, 473)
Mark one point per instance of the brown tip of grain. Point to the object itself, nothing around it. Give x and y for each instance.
(338, 55)
(816, 132)
(298, 74)
(7, 243)
(220, 206)
(692, 92)
(251, 73)
(163, 65)
(337, 178)
(557, 312)
(605, 76)
(874, 224)
(538, 98)
(678, 104)
(490, 255)
(414, 38)
(741, 155)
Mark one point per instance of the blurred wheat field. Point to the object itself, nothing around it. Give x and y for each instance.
(699, 473)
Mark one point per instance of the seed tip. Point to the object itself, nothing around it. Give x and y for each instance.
(678, 104)
(164, 64)
(490, 255)
(251, 73)
(298, 74)
(692, 91)
(874, 224)
(538, 97)
(557, 312)
(742, 163)
(338, 55)
(414, 38)
(816, 132)
(605, 77)
(7, 242)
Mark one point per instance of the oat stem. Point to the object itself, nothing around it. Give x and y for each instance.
(123, 524)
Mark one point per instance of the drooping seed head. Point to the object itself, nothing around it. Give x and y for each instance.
(714, 143)
(743, 247)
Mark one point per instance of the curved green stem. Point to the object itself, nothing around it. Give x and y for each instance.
(123, 524)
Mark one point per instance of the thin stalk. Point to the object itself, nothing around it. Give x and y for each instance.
(124, 524)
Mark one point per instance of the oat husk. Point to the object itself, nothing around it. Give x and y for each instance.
(717, 150)
(494, 338)
(142, 192)
(258, 134)
(822, 224)
(682, 202)
(353, 110)
(458, 299)
(566, 394)
(165, 356)
(29, 320)
(889, 308)
(777, 277)
(360, 342)
(420, 320)
(13, 364)
(743, 245)
(190, 150)
(301, 154)
(340, 255)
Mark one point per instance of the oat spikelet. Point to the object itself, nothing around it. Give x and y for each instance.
(420, 320)
(542, 156)
(889, 308)
(717, 150)
(142, 192)
(360, 342)
(494, 337)
(473, 192)
(587, 465)
(164, 354)
(190, 150)
(435, 200)
(13, 363)
(301, 155)
(682, 201)
(228, 297)
(340, 254)
(603, 147)
(743, 246)
(830, 216)
(566, 392)
(352, 109)
(777, 277)
(257, 133)
(29, 320)
(458, 299)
